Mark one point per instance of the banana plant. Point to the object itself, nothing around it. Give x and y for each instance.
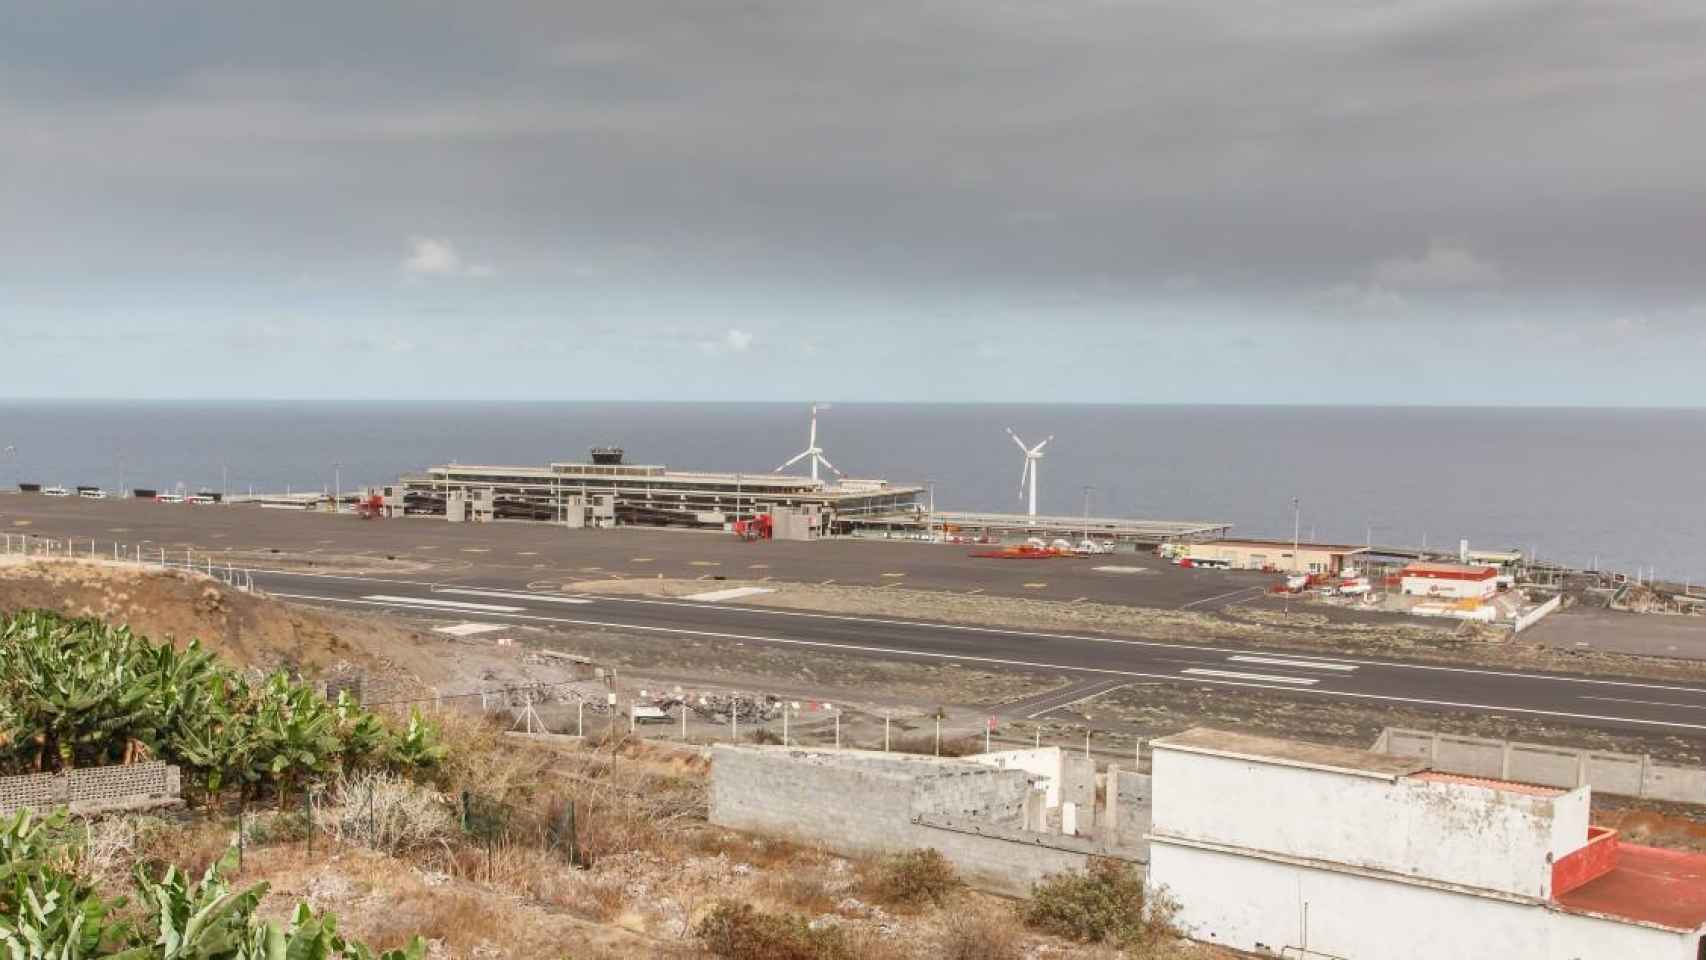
(417, 748)
(46, 911)
(206, 920)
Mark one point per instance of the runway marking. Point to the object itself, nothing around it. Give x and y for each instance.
(704, 563)
(1114, 568)
(894, 574)
(118, 529)
(1650, 703)
(471, 629)
(1078, 599)
(528, 553)
(1095, 691)
(1043, 635)
(22, 523)
(1305, 664)
(506, 595)
(591, 569)
(974, 591)
(1222, 596)
(476, 550)
(448, 604)
(1031, 664)
(640, 560)
(730, 594)
(758, 566)
(1265, 677)
(827, 582)
(425, 546)
(1035, 586)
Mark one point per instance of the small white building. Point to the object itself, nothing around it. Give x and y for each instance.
(1315, 852)
(1452, 581)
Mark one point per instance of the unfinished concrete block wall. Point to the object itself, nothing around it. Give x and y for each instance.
(858, 802)
(89, 787)
(1078, 780)
(854, 809)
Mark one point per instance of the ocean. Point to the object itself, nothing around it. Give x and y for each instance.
(1620, 485)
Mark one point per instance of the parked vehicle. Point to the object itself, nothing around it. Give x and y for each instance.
(55, 491)
(92, 493)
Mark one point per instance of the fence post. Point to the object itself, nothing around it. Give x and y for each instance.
(372, 832)
(574, 837)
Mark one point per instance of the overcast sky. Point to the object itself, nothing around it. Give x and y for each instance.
(1442, 201)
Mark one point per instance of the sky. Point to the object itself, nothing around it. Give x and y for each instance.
(1276, 201)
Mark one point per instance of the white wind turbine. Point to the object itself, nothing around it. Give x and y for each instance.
(1028, 473)
(812, 450)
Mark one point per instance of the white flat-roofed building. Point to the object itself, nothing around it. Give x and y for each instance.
(1452, 581)
(1301, 850)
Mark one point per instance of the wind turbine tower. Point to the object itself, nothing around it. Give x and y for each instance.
(1028, 472)
(812, 450)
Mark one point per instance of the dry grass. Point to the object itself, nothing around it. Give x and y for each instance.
(980, 931)
(913, 880)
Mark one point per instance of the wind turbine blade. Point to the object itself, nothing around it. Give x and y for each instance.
(1039, 447)
(825, 461)
(1024, 475)
(796, 459)
(1016, 440)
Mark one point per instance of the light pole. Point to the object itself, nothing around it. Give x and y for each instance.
(337, 486)
(1087, 489)
(224, 483)
(930, 521)
(1296, 529)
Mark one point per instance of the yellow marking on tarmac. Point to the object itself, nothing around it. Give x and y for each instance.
(704, 563)
(894, 574)
(1035, 586)
(640, 560)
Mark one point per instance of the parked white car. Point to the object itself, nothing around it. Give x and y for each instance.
(55, 492)
(93, 493)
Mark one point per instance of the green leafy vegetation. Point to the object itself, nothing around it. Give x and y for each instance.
(1104, 904)
(77, 692)
(49, 910)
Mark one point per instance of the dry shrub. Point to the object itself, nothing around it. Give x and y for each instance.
(735, 931)
(481, 759)
(462, 920)
(387, 812)
(809, 892)
(1107, 903)
(914, 878)
(191, 847)
(980, 932)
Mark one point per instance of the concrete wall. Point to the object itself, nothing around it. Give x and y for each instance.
(863, 803)
(1078, 781)
(1452, 832)
(1042, 764)
(1628, 774)
(1534, 616)
(1260, 905)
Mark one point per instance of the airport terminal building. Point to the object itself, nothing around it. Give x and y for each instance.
(605, 491)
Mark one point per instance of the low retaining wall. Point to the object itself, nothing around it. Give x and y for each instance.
(1627, 774)
(1534, 616)
(92, 789)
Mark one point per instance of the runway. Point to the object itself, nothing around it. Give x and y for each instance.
(1615, 704)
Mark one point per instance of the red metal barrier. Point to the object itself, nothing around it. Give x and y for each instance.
(1593, 860)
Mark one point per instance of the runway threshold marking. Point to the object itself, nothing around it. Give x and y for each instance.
(731, 593)
(1650, 703)
(507, 595)
(1264, 677)
(1035, 585)
(1305, 664)
(640, 560)
(704, 563)
(1103, 671)
(446, 604)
